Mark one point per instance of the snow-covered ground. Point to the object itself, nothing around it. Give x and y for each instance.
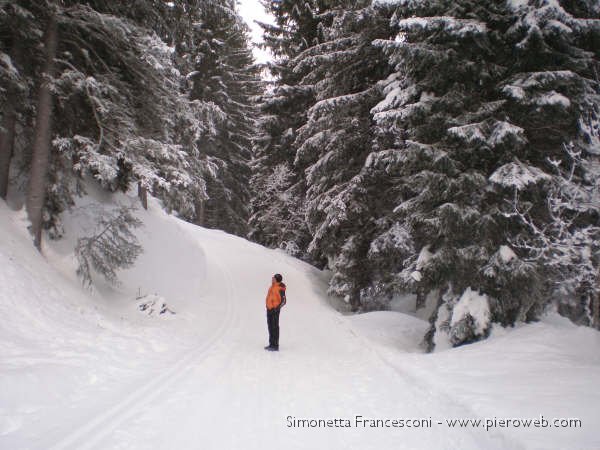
(81, 370)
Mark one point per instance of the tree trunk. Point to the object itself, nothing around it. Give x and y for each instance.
(36, 191)
(143, 195)
(355, 301)
(200, 212)
(596, 304)
(421, 298)
(7, 140)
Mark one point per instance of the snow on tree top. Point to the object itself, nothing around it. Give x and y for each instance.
(330, 104)
(460, 27)
(548, 17)
(492, 134)
(388, 2)
(396, 238)
(6, 61)
(470, 133)
(506, 253)
(541, 79)
(518, 175)
(424, 256)
(517, 4)
(553, 98)
(504, 130)
(396, 97)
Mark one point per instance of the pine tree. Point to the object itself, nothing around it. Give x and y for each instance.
(334, 143)
(462, 120)
(12, 85)
(18, 55)
(225, 76)
(151, 125)
(553, 94)
(278, 209)
(568, 244)
(481, 99)
(122, 114)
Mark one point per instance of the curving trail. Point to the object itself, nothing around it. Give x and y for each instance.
(228, 393)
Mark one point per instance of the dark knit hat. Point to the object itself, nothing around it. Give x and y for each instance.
(278, 277)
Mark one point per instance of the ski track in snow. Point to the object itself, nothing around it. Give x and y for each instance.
(92, 433)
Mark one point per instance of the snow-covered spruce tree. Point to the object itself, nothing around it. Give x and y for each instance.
(121, 110)
(296, 28)
(436, 227)
(459, 139)
(568, 244)
(553, 94)
(113, 246)
(342, 70)
(277, 210)
(16, 62)
(140, 126)
(225, 76)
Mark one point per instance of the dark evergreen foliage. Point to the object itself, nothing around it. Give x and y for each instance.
(127, 109)
(277, 209)
(225, 76)
(485, 94)
(409, 184)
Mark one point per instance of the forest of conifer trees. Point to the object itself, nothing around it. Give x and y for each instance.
(444, 149)
(151, 94)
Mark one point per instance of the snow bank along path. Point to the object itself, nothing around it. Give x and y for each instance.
(215, 387)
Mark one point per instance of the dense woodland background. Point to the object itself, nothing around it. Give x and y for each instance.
(447, 149)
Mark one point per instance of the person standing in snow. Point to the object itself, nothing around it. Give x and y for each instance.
(275, 301)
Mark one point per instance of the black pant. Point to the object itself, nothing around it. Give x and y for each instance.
(273, 324)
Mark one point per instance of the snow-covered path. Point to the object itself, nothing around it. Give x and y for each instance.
(95, 373)
(228, 393)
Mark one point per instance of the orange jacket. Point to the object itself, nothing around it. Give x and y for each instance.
(275, 295)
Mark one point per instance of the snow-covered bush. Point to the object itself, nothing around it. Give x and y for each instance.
(459, 319)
